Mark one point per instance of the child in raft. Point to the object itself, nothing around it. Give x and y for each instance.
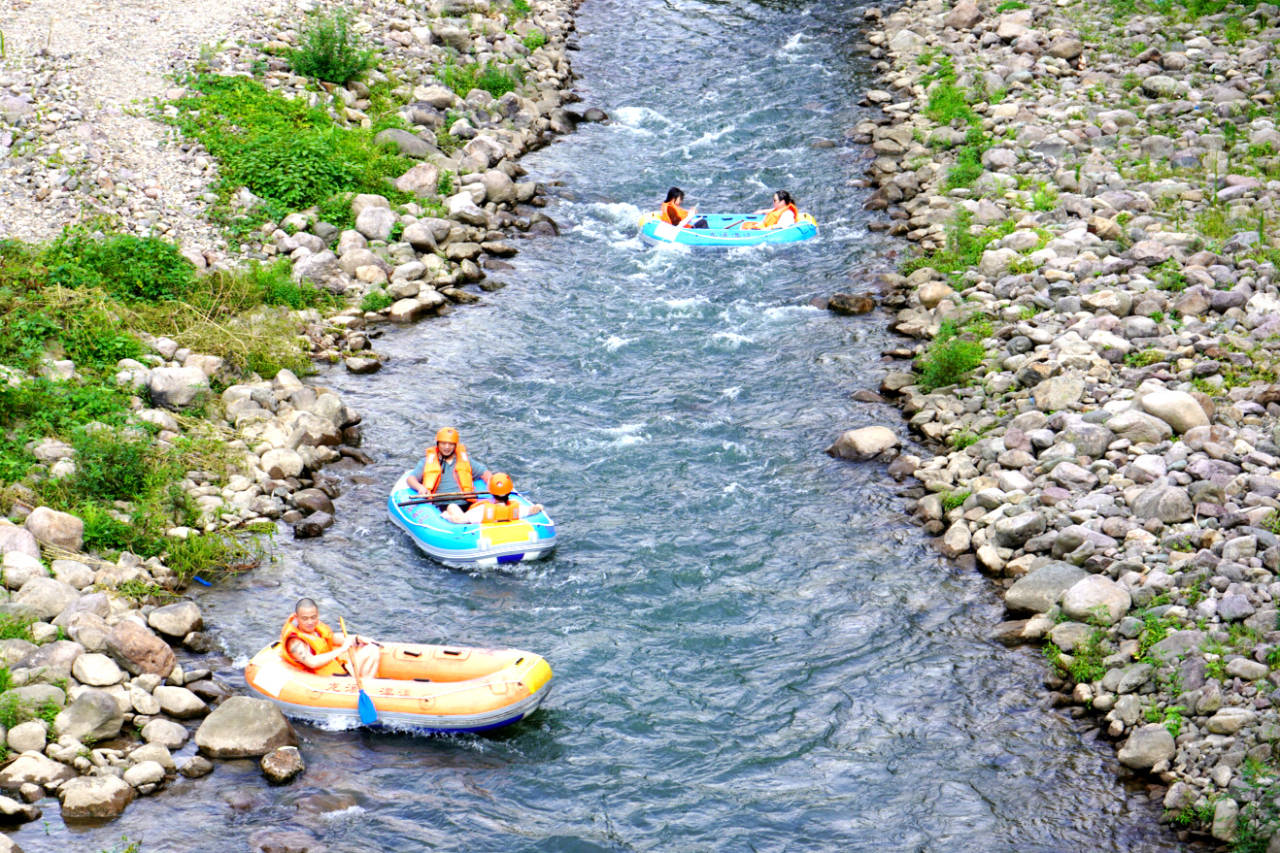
(673, 214)
(501, 508)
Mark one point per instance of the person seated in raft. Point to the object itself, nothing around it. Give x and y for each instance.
(782, 214)
(447, 467)
(673, 214)
(501, 508)
(310, 644)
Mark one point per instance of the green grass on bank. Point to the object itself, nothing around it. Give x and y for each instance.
(290, 155)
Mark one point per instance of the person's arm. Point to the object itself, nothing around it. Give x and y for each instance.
(303, 654)
(526, 511)
(415, 479)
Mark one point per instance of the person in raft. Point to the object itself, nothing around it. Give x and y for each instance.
(447, 467)
(501, 508)
(310, 644)
(673, 214)
(782, 214)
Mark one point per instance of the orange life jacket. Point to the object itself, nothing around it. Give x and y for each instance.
(320, 642)
(494, 511)
(673, 213)
(461, 470)
(771, 218)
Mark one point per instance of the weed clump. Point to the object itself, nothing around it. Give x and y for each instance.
(329, 50)
(951, 356)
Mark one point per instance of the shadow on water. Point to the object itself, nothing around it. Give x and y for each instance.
(754, 649)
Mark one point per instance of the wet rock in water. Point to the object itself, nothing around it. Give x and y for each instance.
(196, 766)
(242, 727)
(33, 767)
(284, 841)
(282, 765)
(88, 797)
(863, 443)
(361, 366)
(165, 733)
(1147, 747)
(13, 812)
(313, 525)
(849, 304)
(325, 803)
(144, 774)
(179, 702)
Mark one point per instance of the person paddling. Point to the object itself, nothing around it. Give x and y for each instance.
(307, 642)
(673, 214)
(783, 213)
(447, 467)
(501, 508)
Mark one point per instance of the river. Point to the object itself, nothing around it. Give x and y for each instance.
(754, 649)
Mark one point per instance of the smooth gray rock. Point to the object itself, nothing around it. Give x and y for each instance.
(95, 797)
(94, 715)
(1014, 532)
(1163, 501)
(1147, 747)
(1039, 590)
(176, 620)
(1096, 598)
(242, 727)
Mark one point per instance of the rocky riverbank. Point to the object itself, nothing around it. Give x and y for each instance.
(98, 700)
(1093, 190)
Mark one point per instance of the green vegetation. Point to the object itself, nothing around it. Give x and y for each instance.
(952, 355)
(290, 155)
(1171, 717)
(534, 40)
(1084, 665)
(520, 8)
(968, 167)
(1010, 6)
(216, 554)
(329, 50)
(963, 248)
(14, 627)
(376, 300)
(490, 77)
(954, 500)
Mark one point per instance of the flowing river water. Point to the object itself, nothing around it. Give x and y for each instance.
(754, 649)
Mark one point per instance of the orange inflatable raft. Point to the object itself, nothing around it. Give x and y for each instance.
(420, 687)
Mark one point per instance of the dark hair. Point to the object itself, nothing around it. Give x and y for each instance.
(674, 193)
(784, 196)
(307, 603)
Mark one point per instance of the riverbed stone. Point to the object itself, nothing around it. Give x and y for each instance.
(242, 727)
(100, 797)
(1248, 670)
(12, 813)
(1176, 408)
(1015, 531)
(138, 650)
(176, 620)
(1228, 721)
(282, 765)
(46, 597)
(863, 443)
(34, 767)
(176, 387)
(165, 733)
(1096, 598)
(19, 539)
(96, 670)
(1163, 501)
(56, 528)
(1039, 590)
(1139, 427)
(94, 715)
(30, 736)
(144, 773)
(179, 702)
(1146, 747)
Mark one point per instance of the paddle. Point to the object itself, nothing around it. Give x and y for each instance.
(442, 497)
(368, 713)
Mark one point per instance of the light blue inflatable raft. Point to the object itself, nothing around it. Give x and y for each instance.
(470, 545)
(724, 231)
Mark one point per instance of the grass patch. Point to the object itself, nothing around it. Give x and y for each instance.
(329, 50)
(954, 500)
(13, 627)
(215, 555)
(376, 300)
(288, 154)
(963, 248)
(534, 40)
(490, 77)
(950, 358)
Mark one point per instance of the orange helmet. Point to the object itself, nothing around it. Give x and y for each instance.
(448, 434)
(500, 484)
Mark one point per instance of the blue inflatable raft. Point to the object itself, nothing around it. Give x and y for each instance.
(724, 231)
(470, 545)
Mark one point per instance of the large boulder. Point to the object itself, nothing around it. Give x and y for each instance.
(165, 733)
(1176, 408)
(1096, 597)
(176, 387)
(280, 463)
(1147, 747)
(13, 812)
(46, 597)
(176, 620)
(60, 655)
(95, 797)
(863, 443)
(20, 568)
(421, 180)
(94, 715)
(20, 539)
(242, 727)
(180, 702)
(138, 650)
(56, 528)
(34, 767)
(462, 207)
(1039, 590)
(1163, 501)
(96, 670)
(1139, 427)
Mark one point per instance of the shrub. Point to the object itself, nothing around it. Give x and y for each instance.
(110, 465)
(213, 555)
(128, 267)
(329, 50)
(535, 40)
(376, 300)
(949, 358)
(520, 8)
(295, 169)
(491, 78)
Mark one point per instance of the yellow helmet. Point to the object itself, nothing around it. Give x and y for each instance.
(448, 434)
